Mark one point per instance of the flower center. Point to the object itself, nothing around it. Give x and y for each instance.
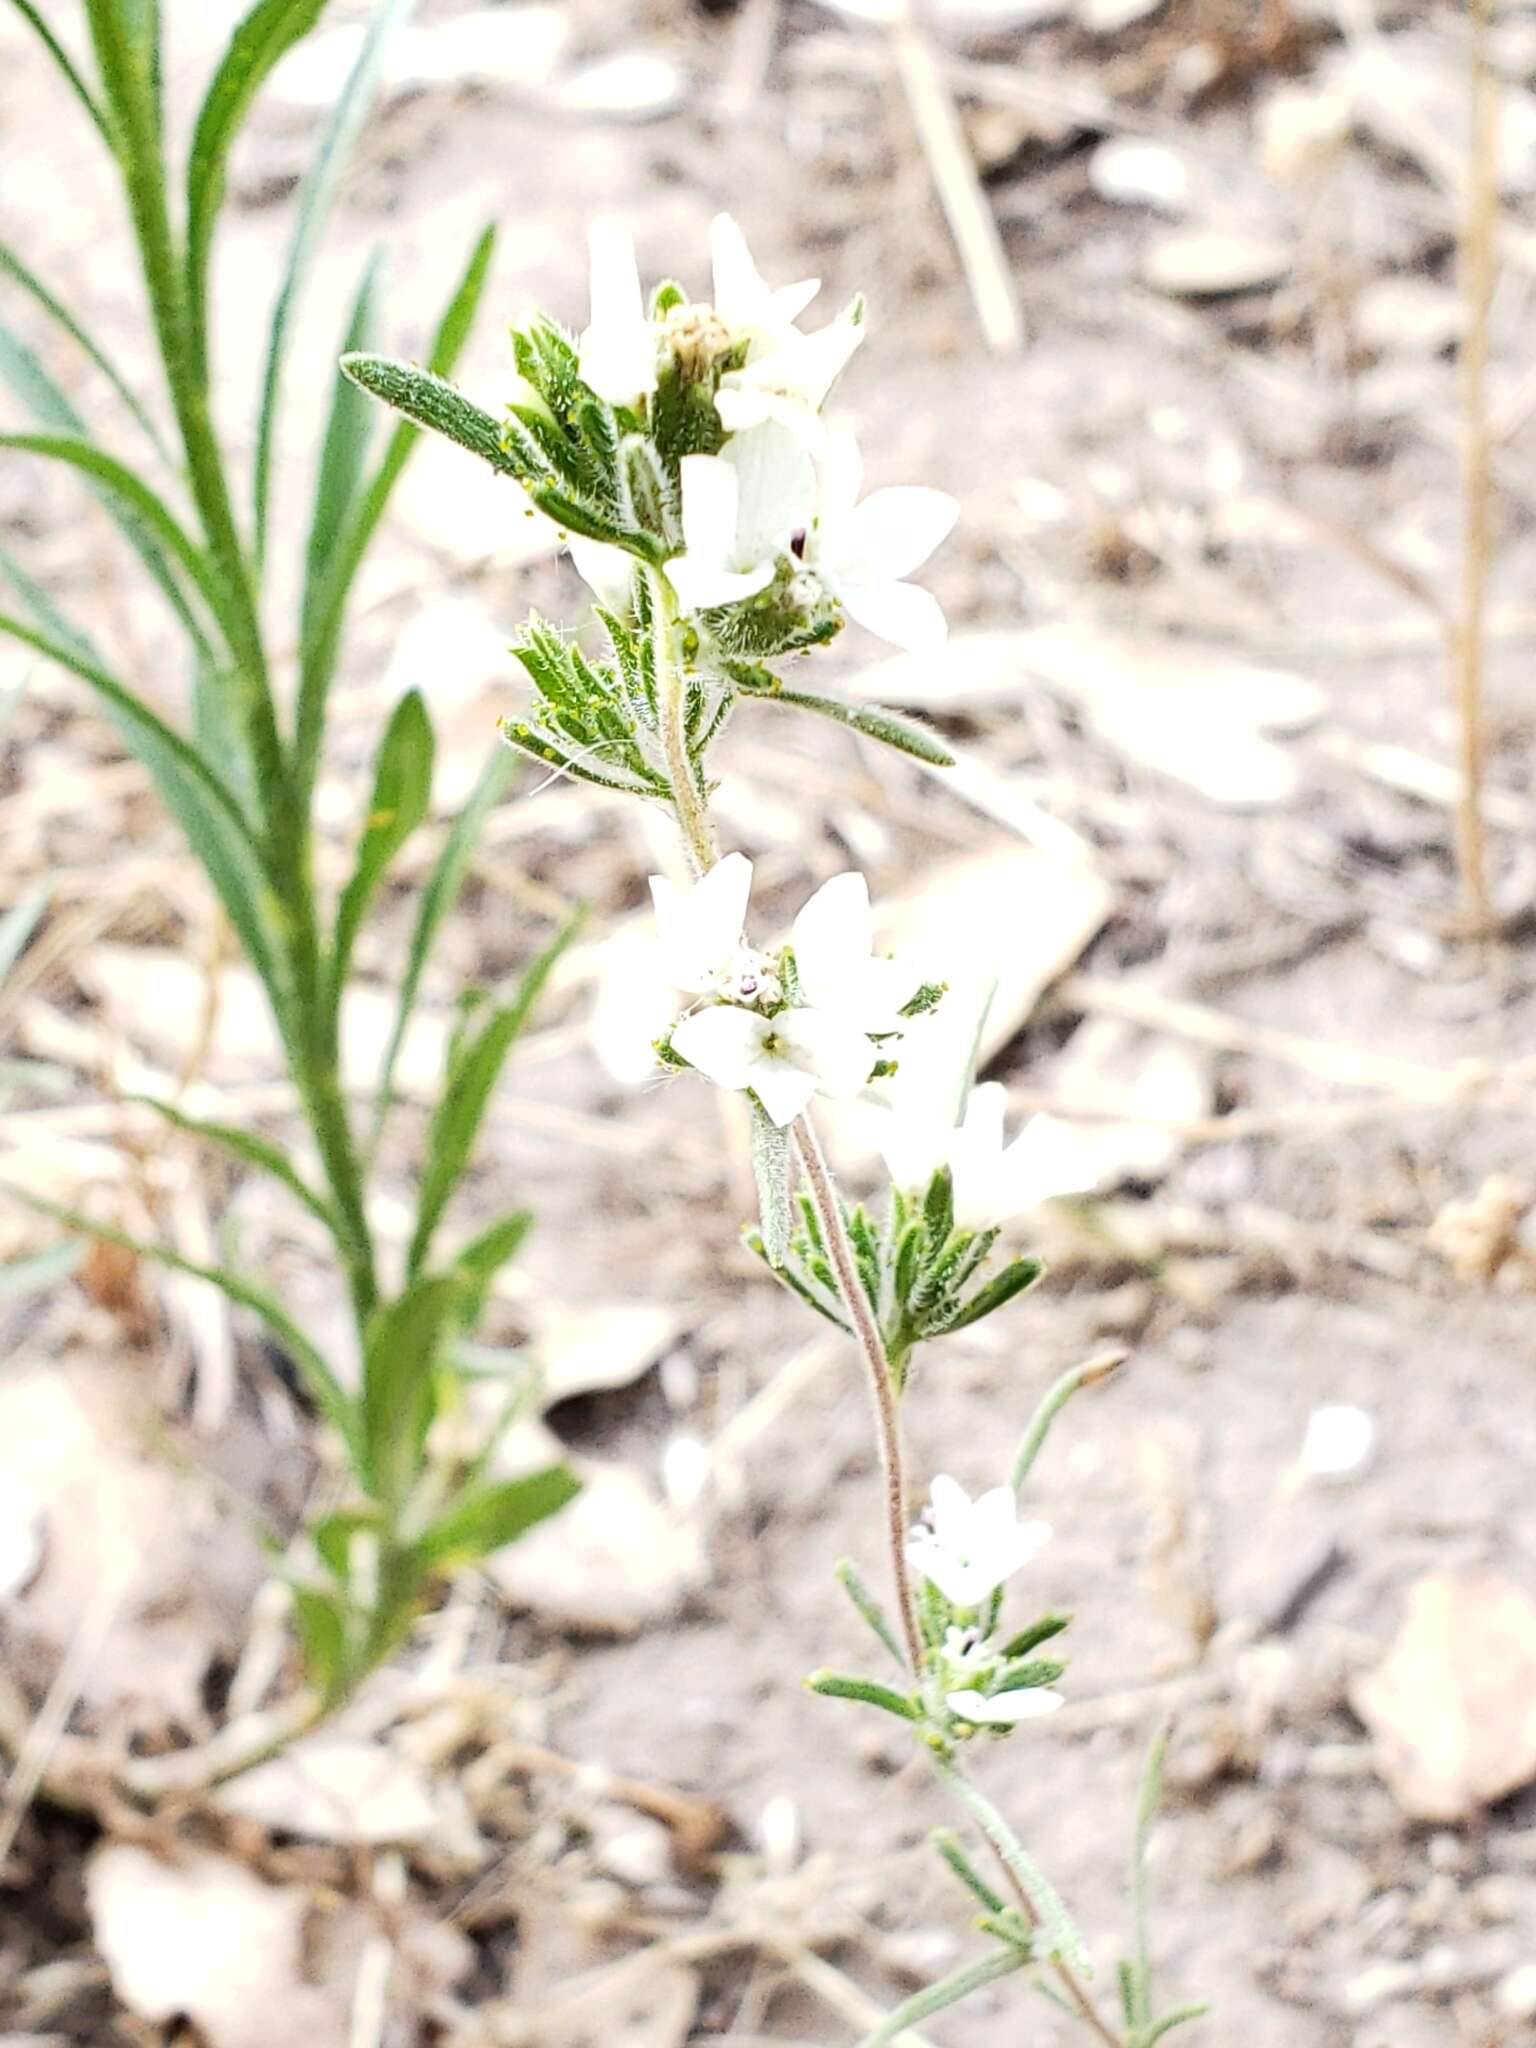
(751, 979)
(698, 338)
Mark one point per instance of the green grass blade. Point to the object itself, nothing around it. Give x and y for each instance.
(61, 57)
(17, 926)
(315, 201)
(251, 1151)
(467, 1093)
(399, 1366)
(437, 899)
(270, 29)
(44, 610)
(323, 617)
(327, 1392)
(13, 267)
(402, 792)
(922, 2005)
(342, 454)
(39, 1270)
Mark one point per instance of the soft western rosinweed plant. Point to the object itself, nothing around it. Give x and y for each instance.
(719, 520)
(238, 774)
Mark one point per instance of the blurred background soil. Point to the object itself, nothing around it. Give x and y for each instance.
(1200, 596)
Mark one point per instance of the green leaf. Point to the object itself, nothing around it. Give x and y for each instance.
(324, 612)
(270, 29)
(431, 401)
(850, 1579)
(400, 1359)
(402, 791)
(869, 719)
(38, 1271)
(60, 56)
(466, 1093)
(251, 1150)
(438, 897)
(325, 1389)
(838, 1685)
(922, 2005)
(483, 1258)
(1037, 1633)
(1169, 2021)
(315, 201)
(136, 507)
(13, 267)
(1013, 1280)
(952, 1850)
(342, 454)
(320, 1620)
(770, 1169)
(483, 1521)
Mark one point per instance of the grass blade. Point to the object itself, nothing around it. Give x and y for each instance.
(342, 452)
(39, 1270)
(402, 790)
(467, 1092)
(323, 619)
(922, 2005)
(437, 899)
(325, 1389)
(252, 1150)
(315, 201)
(17, 926)
(61, 57)
(270, 29)
(13, 267)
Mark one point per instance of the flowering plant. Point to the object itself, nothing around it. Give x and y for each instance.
(716, 515)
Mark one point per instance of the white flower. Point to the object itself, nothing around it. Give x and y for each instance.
(1004, 1709)
(752, 310)
(968, 1548)
(861, 552)
(995, 1182)
(788, 382)
(820, 1044)
(608, 572)
(618, 348)
(741, 509)
(967, 1654)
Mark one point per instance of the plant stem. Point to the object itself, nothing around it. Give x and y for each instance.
(829, 1214)
(1009, 1853)
(672, 703)
(1479, 229)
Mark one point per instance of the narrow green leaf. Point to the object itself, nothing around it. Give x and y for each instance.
(1169, 2021)
(17, 925)
(483, 1258)
(400, 1360)
(315, 201)
(770, 1169)
(270, 29)
(1013, 1280)
(325, 611)
(13, 267)
(39, 1271)
(438, 897)
(251, 1150)
(136, 507)
(430, 401)
(851, 1580)
(467, 1092)
(324, 1388)
(838, 1685)
(61, 57)
(342, 453)
(1038, 1632)
(874, 722)
(952, 1850)
(320, 1621)
(402, 791)
(482, 1522)
(1050, 1405)
(922, 2005)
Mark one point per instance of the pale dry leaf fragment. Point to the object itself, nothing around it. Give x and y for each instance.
(600, 1346)
(614, 1562)
(1131, 172)
(340, 1788)
(205, 1939)
(1452, 1705)
(628, 85)
(1215, 263)
(21, 1535)
(639, 2003)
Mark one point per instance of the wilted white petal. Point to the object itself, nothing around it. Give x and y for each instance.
(1004, 1709)
(618, 349)
(725, 1044)
(701, 926)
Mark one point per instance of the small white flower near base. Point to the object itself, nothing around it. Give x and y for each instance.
(1004, 1709)
(741, 510)
(618, 347)
(966, 1548)
(861, 552)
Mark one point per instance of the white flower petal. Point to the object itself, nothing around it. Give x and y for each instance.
(724, 1043)
(902, 613)
(743, 301)
(951, 1508)
(1004, 1709)
(701, 927)
(828, 1046)
(711, 496)
(914, 1144)
(608, 572)
(776, 492)
(832, 937)
(700, 583)
(782, 1088)
(842, 478)
(894, 532)
(618, 348)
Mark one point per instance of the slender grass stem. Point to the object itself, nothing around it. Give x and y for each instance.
(829, 1214)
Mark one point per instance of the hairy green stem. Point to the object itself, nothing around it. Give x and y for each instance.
(672, 700)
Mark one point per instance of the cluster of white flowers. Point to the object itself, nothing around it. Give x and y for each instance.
(966, 1549)
(787, 1041)
(784, 486)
